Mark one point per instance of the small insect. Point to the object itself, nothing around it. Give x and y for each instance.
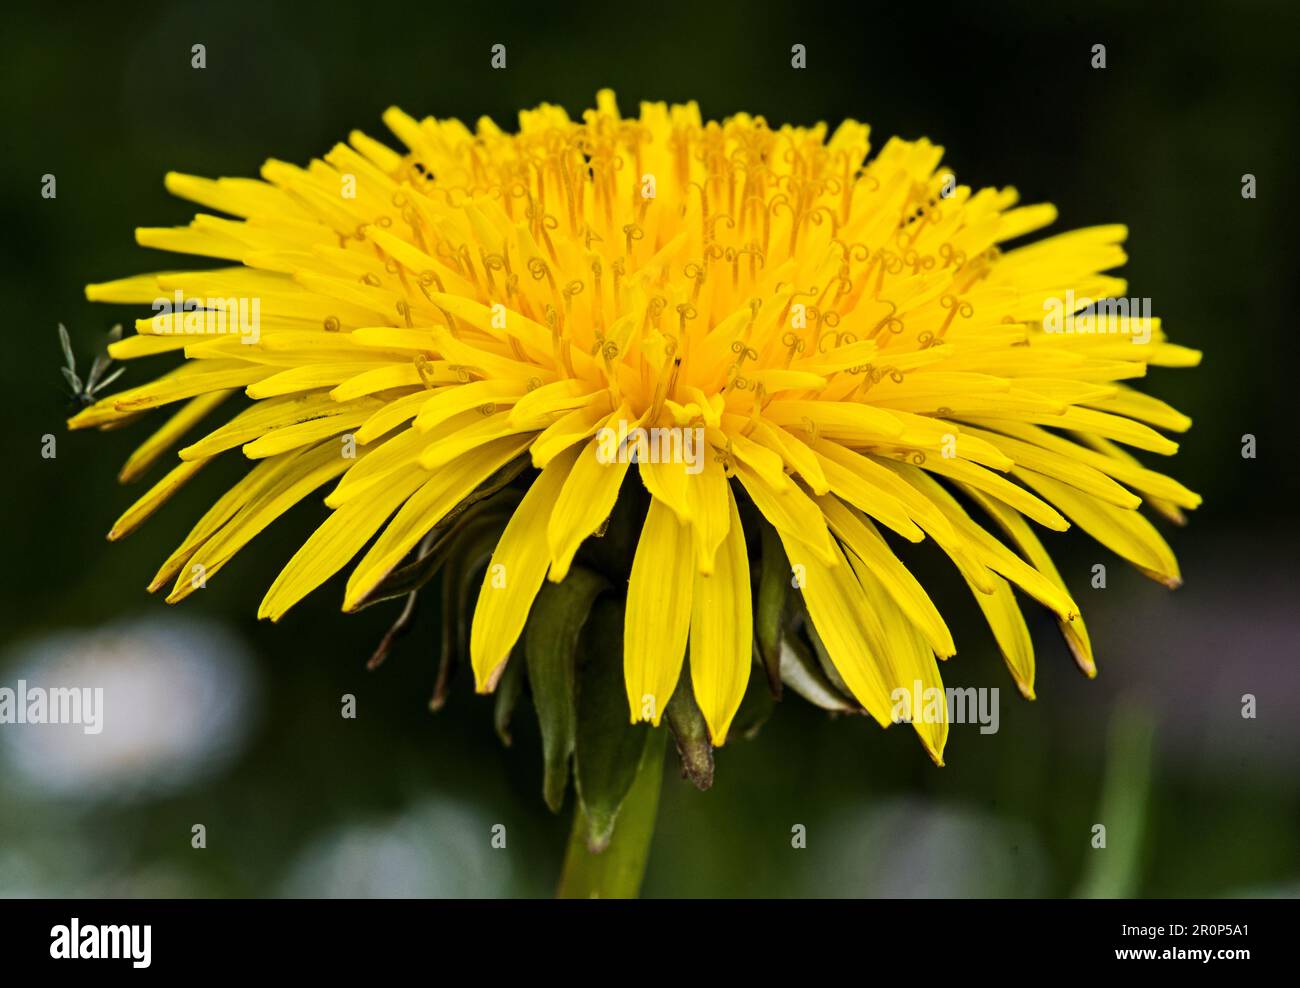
(87, 394)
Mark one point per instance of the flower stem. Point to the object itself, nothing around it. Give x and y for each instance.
(616, 872)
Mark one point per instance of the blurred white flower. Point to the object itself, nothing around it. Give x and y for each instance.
(178, 703)
(911, 849)
(437, 849)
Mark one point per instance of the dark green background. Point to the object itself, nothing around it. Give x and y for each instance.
(1190, 100)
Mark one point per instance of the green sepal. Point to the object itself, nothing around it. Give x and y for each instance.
(550, 644)
(611, 547)
(801, 671)
(466, 556)
(770, 606)
(400, 627)
(616, 872)
(825, 661)
(509, 689)
(690, 733)
(607, 748)
(756, 705)
(448, 641)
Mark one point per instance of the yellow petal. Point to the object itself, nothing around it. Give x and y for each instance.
(913, 673)
(1010, 631)
(1001, 488)
(1074, 631)
(336, 541)
(428, 506)
(244, 490)
(482, 395)
(301, 475)
(156, 496)
(313, 376)
(1125, 533)
(905, 591)
(582, 506)
(544, 404)
(722, 630)
(380, 462)
(147, 453)
(709, 494)
(571, 428)
(329, 427)
(992, 554)
(879, 474)
(362, 381)
(793, 514)
(659, 597)
(667, 482)
(515, 574)
(451, 447)
(798, 455)
(855, 488)
(138, 289)
(394, 412)
(848, 420)
(838, 606)
(1048, 454)
(1164, 494)
(259, 419)
(1145, 408)
(188, 380)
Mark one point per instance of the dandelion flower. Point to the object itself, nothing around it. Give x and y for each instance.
(865, 363)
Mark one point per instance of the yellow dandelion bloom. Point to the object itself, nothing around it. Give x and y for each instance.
(843, 334)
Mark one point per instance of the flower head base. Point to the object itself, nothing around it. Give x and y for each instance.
(797, 348)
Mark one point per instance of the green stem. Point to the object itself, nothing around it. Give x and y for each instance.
(616, 872)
